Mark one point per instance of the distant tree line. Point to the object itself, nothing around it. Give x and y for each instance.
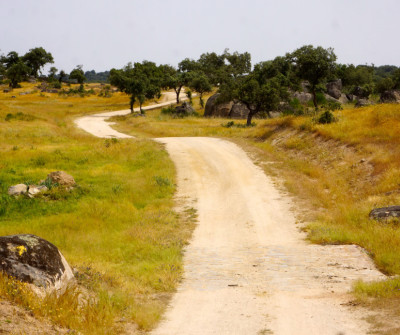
(261, 87)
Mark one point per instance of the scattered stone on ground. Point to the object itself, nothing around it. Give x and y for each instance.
(61, 178)
(385, 212)
(34, 260)
(17, 189)
(36, 189)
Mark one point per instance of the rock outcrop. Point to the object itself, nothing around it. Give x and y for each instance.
(213, 108)
(363, 103)
(303, 97)
(34, 260)
(239, 111)
(391, 96)
(385, 212)
(17, 189)
(334, 88)
(231, 109)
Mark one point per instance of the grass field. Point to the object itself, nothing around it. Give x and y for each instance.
(117, 229)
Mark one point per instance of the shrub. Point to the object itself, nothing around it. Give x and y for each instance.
(326, 117)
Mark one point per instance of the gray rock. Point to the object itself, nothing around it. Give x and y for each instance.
(33, 260)
(61, 178)
(351, 97)
(330, 98)
(343, 99)
(185, 109)
(363, 103)
(34, 190)
(334, 88)
(390, 96)
(303, 97)
(239, 111)
(215, 109)
(385, 212)
(17, 189)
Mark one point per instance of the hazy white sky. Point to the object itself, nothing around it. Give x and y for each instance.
(101, 34)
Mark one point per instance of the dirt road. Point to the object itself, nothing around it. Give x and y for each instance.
(248, 269)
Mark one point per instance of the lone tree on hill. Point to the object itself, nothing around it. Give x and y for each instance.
(17, 72)
(314, 65)
(36, 58)
(141, 81)
(78, 74)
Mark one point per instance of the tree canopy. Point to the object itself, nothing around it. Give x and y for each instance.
(36, 58)
(141, 81)
(314, 65)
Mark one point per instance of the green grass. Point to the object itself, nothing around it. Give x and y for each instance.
(118, 228)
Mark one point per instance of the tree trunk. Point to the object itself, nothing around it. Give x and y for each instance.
(249, 118)
(131, 102)
(178, 91)
(314, 97)
(140, 107)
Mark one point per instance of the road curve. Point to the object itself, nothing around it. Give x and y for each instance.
(248, 270)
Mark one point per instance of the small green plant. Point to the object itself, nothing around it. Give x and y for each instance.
(19, 116)
(168, 110)
(231, 124)
(162, 181)
(326, 117)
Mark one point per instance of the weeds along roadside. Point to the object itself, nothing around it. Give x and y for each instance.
(118, 229)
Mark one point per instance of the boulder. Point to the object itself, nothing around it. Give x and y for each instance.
(351, 97)
(17, 189)
(213, 108)
(34, 190)
(185, 109)
(385, 212)
(391, 96)
(343, 99)
(34, 260)
(61, 178)
(303, 97)
(239, 111)
(363, 103)
(334, 88)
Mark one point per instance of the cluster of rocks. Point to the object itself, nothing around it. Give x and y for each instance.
(57, 178)
(236, 110)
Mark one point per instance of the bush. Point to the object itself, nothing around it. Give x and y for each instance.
(326, 117)
(168, 110)
(231, 124)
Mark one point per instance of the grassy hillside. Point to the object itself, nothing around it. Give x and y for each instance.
(117, 229)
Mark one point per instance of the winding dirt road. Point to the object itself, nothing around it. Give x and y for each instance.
(248, 269)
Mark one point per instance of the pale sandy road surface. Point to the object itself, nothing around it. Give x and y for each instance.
(248, 269)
